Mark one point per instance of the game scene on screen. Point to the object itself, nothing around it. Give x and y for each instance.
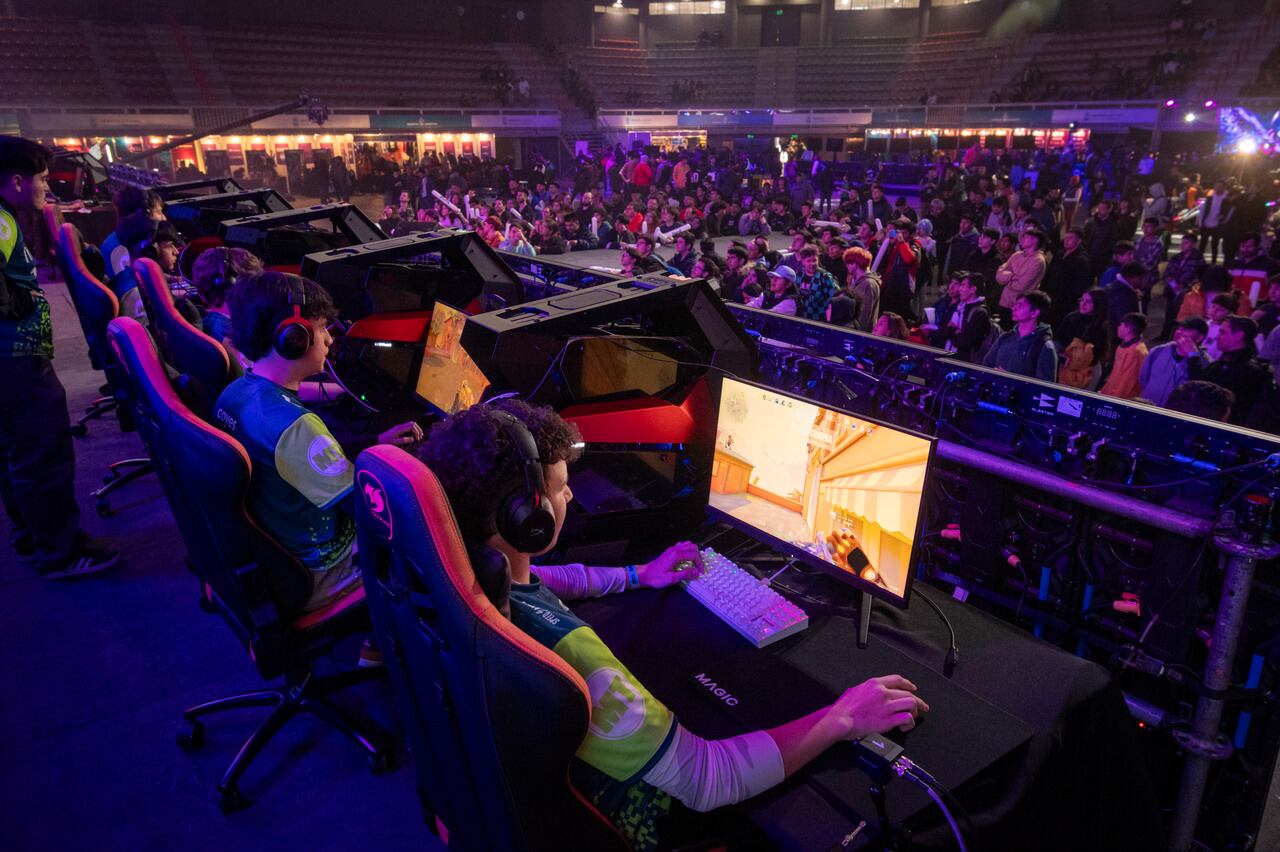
(449, 379)
(846, 490)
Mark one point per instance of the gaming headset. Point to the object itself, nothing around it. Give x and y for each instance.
(524, 519)
(294, 335)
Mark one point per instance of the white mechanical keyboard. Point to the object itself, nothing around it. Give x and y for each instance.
(745, 603)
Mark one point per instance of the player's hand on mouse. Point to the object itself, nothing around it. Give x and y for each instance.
(402, 435)
(875, 706)
(680, 561)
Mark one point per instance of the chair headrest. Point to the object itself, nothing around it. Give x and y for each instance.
(190, 254)
(412, 513)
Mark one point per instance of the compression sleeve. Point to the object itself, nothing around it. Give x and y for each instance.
(576, 581)
(708, 774)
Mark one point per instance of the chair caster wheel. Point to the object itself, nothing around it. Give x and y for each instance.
(191, 735)
(79, 430)
(230, 800)
(381, 762)
(102, 507)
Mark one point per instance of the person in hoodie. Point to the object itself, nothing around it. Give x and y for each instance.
(1170, 364)
(1028, 348)
(969, 322)
(1159, 206)
(1023, 271)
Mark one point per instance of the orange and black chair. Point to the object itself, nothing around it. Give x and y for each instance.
(198, 358)
(493, 718)
(245, 576)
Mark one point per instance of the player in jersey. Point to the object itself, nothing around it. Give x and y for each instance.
(128, 200)
(37, 461)
(302, 479)
(636, 755)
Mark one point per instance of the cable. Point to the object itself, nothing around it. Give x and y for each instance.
(953, 655)
(937, 791)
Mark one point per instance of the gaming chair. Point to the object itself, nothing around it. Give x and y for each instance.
(493, 718)
(201, 360)
(190, 254)
(97, 306)
(245, 576)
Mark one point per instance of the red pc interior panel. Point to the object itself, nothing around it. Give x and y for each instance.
(403, 327)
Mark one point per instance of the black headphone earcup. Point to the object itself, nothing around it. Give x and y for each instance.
(526, 524)
(293, 338)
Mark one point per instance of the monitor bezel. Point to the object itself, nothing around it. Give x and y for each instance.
(423, 359)
(804, 556)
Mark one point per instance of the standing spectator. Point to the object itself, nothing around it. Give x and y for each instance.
(1220, 308)
(1216, 211)
(1084, 338)
(1027, 349)
(970, 322)
(1267, 312)
(1124, 252)
(1150, 252)
(864, 286)
(1124, 381)
(1170, 364)
(1068, 276)
(986, 261)
(817, 287)
(961, 246)
(877, 206)
(1250, 268)
(1123, 295)
(902, 262)
(1023, 271)
(1101, 235)
(37, 460)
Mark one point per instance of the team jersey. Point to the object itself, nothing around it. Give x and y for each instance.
(33, 334)
(300, 474)
(630, 729)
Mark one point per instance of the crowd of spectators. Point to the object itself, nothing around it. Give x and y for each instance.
(1101, 270)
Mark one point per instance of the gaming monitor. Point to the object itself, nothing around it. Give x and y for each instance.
(838, 492)
(449, 380)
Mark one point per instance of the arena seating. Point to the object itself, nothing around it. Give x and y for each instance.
(48, 63)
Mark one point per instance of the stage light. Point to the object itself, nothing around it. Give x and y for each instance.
(617, 4)
(1170, 103)
(1189, 117)
(1248, 145)
(1210, 104)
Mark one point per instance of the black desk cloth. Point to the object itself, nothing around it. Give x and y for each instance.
(1078, 783)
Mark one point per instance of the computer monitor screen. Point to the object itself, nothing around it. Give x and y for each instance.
(835, 490)
(449, 380)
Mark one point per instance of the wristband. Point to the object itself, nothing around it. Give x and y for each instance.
(633, 577)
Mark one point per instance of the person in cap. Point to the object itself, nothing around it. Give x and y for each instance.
(781, 296)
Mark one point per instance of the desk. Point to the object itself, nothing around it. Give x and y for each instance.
(1076, 783)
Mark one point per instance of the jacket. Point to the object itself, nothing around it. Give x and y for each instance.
(1031, 355)
(1164, 370)
(1125, 372)
(867, 290)
(1020, 274)
(901, 264)
(1239, 373)
(975, 325)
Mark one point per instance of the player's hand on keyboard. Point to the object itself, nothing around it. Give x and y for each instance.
(875, 706)
(680, 561)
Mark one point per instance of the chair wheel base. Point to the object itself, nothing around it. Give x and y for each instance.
(79, 430)
(191, 735)
(230, 800)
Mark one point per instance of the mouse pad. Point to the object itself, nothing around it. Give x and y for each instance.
(960, 736)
